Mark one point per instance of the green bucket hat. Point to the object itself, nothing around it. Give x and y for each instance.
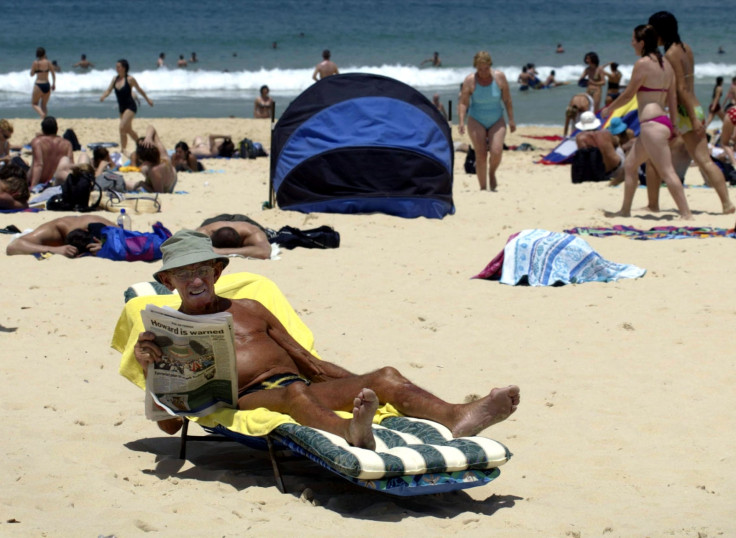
(186, 247)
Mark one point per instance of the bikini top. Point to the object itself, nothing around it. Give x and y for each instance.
(647, 89)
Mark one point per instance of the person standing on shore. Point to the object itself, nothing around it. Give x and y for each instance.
(263, 105)
(123, 85)
(41, 68)
(653, 84)
(689, 112)
(714, 109)
(325, 68)
(594, 79)
(484, 95)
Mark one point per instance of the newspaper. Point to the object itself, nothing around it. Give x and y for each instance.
(197, 371)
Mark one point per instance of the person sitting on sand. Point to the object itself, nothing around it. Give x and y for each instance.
(613, 153)
(184, 160)
(47, 150)
(159, 173)
(580, 102)
(14, 192)
(237, 237)
(6, 131)
(101, 160)
(57, 237)
(275, 372)
(218, 146)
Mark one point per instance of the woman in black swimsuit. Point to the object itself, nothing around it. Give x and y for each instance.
(41, 68)
(123, 84)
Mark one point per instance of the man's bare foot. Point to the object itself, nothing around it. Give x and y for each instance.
(730, 208)
(621, 213)
(171, 425)
(494, 408)
(651, 209)
(687, 216)
(360, 433)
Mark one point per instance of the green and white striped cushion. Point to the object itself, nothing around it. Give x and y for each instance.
(404, 446)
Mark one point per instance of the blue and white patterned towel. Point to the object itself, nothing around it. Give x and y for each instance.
(545, 258)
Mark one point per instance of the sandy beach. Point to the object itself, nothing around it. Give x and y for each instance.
(626, 426)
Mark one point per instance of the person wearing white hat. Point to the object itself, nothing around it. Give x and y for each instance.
(603, 139)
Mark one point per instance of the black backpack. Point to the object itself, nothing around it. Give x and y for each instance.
(75, 194)
(587, 165)
(470, 161)
(247, 149)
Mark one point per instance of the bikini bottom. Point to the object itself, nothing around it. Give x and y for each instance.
(45, 87)
(663, 120)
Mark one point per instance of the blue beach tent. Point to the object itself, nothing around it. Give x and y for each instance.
(361, 143)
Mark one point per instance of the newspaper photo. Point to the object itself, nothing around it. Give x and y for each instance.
(197, 371)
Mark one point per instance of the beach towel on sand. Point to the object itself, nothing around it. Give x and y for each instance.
(658, 232)
(544, 258)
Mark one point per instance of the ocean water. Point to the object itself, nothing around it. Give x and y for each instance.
(243, 45)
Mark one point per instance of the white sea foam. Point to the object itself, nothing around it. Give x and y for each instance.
(294, 81)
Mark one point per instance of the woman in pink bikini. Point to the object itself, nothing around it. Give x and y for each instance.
(653, 83)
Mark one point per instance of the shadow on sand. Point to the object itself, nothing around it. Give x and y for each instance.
(242, 468)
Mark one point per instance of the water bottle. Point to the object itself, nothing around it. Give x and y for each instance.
(124, 220)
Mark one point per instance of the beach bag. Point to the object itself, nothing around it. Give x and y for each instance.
(132, 203)
(111, 181)
(260, 152)
(322, 237)
(120, 244)
(587, 165)
(71, 136)
(470, 161)
(247, 149)
(76, 193)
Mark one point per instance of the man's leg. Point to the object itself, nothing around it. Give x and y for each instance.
(316, 402)
(301, 403)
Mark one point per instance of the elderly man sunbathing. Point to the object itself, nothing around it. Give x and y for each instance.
(276, 372)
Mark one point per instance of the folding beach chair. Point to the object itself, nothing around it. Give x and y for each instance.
(412, 456)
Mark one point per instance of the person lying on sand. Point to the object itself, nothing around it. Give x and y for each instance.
(212, 148)
(14, 191)
(276, 372)
(58, 237)
(235, 237)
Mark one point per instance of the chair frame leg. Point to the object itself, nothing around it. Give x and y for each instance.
(269, 442)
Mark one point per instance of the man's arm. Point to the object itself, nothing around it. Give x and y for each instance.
(314, 75)
(36, 163)
(309, 366)
(45, 238)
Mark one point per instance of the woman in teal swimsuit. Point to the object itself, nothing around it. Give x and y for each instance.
(653, 83)
(481, 98)
(41, 68)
